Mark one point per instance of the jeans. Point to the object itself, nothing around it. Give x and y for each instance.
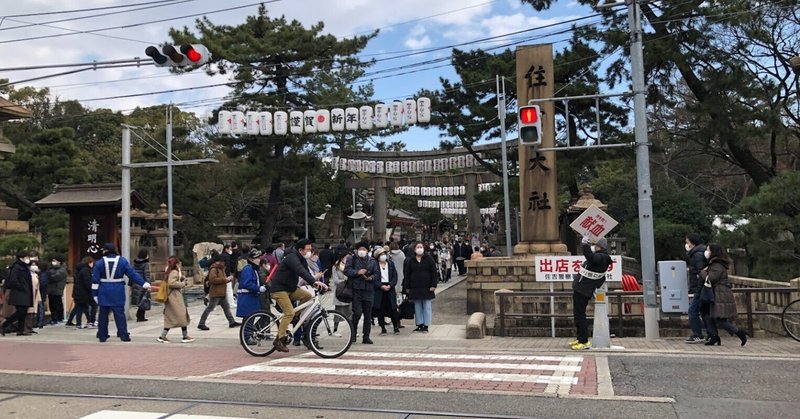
(579, 304)
(694, 317)
(362, 304)
(40, 315)
(119, 319)
(725, 324)
(422, 312)
(212, 304)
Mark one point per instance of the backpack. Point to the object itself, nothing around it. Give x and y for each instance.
(206, 284)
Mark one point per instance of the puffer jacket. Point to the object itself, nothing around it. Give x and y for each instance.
(596, 262)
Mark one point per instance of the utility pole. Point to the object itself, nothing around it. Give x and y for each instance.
(648, 257)
(125, 245)
(501, 113)
(169, 182)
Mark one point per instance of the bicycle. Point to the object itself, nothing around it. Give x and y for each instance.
(328, 333)
(790, 318)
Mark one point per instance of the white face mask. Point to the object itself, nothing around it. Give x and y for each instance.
(362, 253)
(687, 247)
(382, 258)
(594, 248)
(707, 254)
(54, 263)
(35, 268)
(308, 255)
(420, 251)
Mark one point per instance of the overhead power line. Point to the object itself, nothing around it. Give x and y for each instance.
(89, 9)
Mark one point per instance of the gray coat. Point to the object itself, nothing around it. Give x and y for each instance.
(724, 306)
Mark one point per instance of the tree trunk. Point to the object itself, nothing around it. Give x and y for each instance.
(269, 220)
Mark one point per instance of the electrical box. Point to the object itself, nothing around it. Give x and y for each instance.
(674, 286)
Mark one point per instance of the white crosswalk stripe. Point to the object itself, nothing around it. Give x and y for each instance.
(407, 363)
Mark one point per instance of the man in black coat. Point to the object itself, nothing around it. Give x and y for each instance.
(462, 251)
(697, 262)
(591, 277)
(20, 284)
(362, 271)
(327, 259)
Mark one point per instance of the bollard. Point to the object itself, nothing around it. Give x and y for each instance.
(601, 335)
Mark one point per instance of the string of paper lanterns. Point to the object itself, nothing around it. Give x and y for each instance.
(439, 190)
(463, 211)
(441, 204)
(382, 115)
(406, 166)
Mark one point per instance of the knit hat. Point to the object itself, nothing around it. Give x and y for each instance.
(602, 243)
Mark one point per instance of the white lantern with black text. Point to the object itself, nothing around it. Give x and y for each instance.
(381, 115)
(428, 165)
(224, 122)
(423, 110)
(342, 164)
(351, 119)
(365, 117)
(265, 123)
(337, 119)
(412, 166)
(281, 125)
(309, 121)
(253, 124)
(404, 167)
(296, 122)
(238, 122)
(410, 111)
(396, 113)
(379, 167)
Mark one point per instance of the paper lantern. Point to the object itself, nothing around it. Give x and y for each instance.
(470, 160)
(365, 117)
(342, 164)
(461, 161)
(265, 123)
(396, 113)
(412, 167)
(404, 167)
(444, 164)
(428, 165)
(253, 125)
(281, 123)
(373, 166)
(224, 122)
(337, 119)
(323, 120)
(379, 167)
(410, 111)
(453, 162)
(423, 110)
(309, 121)
(381, 115)
(238, 122)
(296, 122)
(351, 119)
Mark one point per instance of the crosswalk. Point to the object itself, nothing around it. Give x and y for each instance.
(429, 371)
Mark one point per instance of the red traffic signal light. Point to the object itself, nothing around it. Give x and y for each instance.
(185, 55)
(530, 125)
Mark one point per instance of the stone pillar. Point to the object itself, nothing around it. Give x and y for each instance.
(473, 210)
(379, 210)
(538, 187)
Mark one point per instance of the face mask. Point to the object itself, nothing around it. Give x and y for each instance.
(34, 268)
(26, 261)
(594, 249)
(382, 258)
(687, 247)
(420, 251)
(483, 249)
(308, 255)
(707, 254)
(54, 263)
(362, 253)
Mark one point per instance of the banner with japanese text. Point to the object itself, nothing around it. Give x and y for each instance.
(562, 268)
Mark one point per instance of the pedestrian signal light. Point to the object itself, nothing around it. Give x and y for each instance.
(180, 56)
(530, 125)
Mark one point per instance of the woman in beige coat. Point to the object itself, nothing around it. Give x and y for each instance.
(175, 312)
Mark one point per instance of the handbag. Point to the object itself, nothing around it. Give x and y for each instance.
(407, 309)
(163, 292)
(707, 293)
(144, 303)
(344, 293)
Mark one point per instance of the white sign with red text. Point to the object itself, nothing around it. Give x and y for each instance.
(593, 222)
(562, 268)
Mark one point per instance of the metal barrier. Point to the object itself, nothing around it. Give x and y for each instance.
(619, 316)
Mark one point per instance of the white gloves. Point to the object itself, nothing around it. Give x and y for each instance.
(146, 285)
(95, 301)
(262, 289)
(585, 239)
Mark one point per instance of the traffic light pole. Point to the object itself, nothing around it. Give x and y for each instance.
(648, 257)
(501, 113)
(169, 183)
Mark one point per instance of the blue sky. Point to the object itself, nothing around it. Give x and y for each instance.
(407, 26)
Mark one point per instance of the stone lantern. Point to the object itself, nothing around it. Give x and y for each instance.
(359, 218)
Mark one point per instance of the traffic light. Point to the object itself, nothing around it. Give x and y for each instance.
(530, 125)
(183, 55)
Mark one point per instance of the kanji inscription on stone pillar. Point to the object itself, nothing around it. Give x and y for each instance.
(538, 187)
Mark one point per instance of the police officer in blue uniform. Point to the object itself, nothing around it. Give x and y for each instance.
(108, 290)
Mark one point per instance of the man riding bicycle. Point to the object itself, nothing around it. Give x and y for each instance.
(284, 286)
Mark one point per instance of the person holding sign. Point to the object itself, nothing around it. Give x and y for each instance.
(591, 277)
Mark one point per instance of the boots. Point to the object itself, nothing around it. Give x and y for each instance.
(279, 345)
(742, 336)
(713, 339)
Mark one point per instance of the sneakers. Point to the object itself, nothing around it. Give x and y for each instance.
(581, 346)
(694, 339)
(202, 327)
(573, 342)
(187, 339)
(337, 334)
(279, 345)
(163, 339)
(91, 325)
(68, 324)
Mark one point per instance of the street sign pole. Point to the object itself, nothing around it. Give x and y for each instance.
(501, 113)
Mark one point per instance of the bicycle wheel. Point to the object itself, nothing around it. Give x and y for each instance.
(257, 332)
(791, 319)
(330, 334)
